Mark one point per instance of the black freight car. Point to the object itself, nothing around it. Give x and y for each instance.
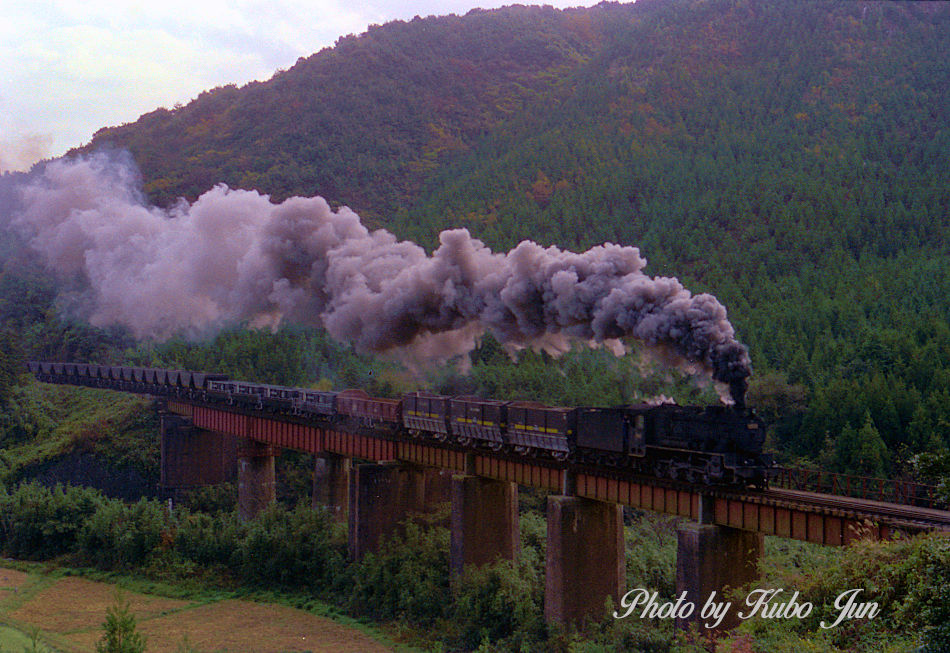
(479, 421)
(535, 427)
(317, 402)
(424, 413)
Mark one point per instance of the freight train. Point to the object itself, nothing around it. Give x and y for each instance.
(712, 445)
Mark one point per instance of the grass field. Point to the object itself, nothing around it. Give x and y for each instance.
(66, 614)
(14, 641)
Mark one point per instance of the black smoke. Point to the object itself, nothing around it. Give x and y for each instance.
(235, 256)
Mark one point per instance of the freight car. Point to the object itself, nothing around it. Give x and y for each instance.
(319, 403)
(478, 422)
(426, 415)
(369, 411)
(709, 445)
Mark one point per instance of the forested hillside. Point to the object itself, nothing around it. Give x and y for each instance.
(789, 157)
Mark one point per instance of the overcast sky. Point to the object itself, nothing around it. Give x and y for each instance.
(69, 67)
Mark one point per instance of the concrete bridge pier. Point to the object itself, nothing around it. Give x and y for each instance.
(484, 522)
(585, 558)
(192, 457)
(331, 483)
(256, 482)
(383, 495)
(712, 558)
(437, 488)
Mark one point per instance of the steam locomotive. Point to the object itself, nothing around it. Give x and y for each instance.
(714, 445)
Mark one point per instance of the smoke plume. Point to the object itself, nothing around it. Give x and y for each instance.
(235, 256)
(21, 152)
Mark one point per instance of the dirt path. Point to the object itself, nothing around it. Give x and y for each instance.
(69, 613)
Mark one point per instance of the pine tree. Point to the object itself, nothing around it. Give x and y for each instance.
(120, 635)
(11, 363)
(871, 452)
(846, 448)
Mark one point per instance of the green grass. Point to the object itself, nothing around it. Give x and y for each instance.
(44, 422)
(15, 641)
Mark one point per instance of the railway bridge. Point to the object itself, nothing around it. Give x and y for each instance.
(374, 478)
(585, 548)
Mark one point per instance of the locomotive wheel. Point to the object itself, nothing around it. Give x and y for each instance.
(560, 455)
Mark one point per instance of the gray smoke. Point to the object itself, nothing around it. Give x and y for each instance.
(19, 152)
(235, 256)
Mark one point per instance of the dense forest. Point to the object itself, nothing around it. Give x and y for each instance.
(788, 157)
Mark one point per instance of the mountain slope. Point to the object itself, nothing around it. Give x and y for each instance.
(362, 122)
(789, 157)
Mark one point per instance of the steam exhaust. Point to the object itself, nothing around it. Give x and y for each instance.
(235, 256)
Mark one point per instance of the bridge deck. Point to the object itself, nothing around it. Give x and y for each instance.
(809, 516)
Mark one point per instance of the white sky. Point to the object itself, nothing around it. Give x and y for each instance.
(69, 67)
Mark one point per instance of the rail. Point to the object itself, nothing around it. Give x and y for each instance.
(908, 493)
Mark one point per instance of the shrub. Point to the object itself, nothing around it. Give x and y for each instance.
(409, 578)
(211, 498)
(37, 522)
(211, 539)
(292, 548)
(124, 535)
(926, 605)
(501, 601)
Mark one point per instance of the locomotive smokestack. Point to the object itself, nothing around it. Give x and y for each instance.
(235, 256)
(737, 389)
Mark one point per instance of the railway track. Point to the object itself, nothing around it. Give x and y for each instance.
(914, 517)
(908, 518)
